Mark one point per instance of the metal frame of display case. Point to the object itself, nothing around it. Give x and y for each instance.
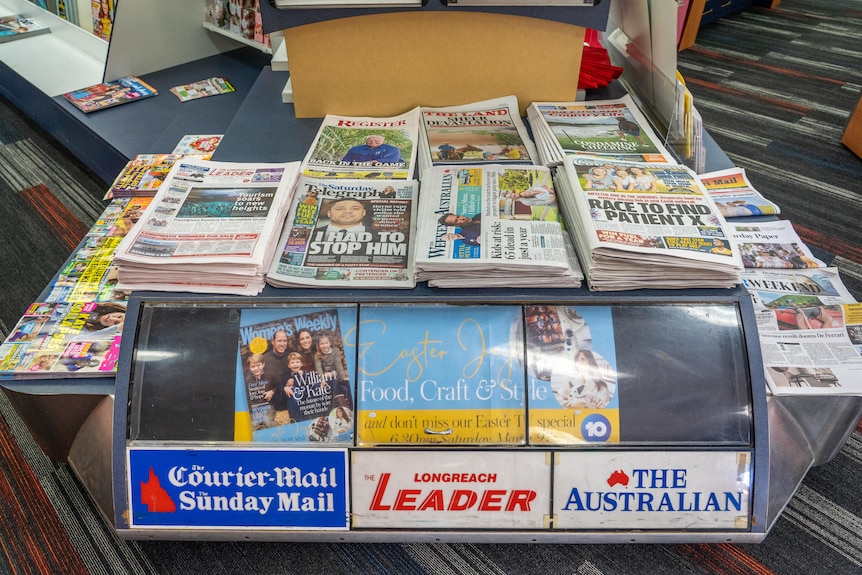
(759, 448)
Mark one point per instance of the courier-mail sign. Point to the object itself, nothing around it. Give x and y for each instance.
(254, 488)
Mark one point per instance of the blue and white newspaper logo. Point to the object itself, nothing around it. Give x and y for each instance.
(263, 488)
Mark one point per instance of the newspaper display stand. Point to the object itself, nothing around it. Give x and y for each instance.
(677, 450)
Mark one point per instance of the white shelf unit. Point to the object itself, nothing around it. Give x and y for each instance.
(66, 59)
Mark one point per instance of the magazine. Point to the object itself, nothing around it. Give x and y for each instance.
(440, 374)
(571, 374)
(348, 233)
(143, 175)
(735, 196)
(772, 244)
(641, 225)
(202, 145)
(202, 89)
(810, 330)
(64, 339)
(613, 128)
(90, 275)
(103, 18)
(109, 94)
(212, 227)
(364, 148)
(295, 376)
(492, 225)
(15, 27)
(490, 131)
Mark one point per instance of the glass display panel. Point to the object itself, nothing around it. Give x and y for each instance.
(580, 375)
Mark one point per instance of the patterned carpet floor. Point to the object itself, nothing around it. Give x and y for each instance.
(775, 88)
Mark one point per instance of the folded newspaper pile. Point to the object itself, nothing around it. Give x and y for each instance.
(359, 147)
(348, 234)
(493, 225)
(810, 331)
(639, 225)
(771, 244)
(212, 228)
(611, 128)
(486, 132)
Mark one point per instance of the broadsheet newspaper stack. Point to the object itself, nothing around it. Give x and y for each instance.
(353, 215)
(810, 330)
(211, 228)
(493, 225)
(615, 129)
(490, 131)
(809, 325)
(645, 226)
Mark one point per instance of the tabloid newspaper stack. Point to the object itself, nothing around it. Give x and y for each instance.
(352, 219)
(212, 227)
(611, 128)
(645, 226)
(348, 233)
(493, 225)
(490, 131)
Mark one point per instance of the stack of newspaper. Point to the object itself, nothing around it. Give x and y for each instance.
(348, 233)
(771, 244)
(810, 331)
(212, 228)
(615, 129)
(493, 225)
(486, 132)
(640, 225)
(735, 196)
(364, 148)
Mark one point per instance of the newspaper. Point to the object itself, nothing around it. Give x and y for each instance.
(615, 128)
(348, 233)
(735, 196)
(810, 331)
(366, 148)
(211, 227)
(772, 244)
(492, 225)
(645, 226)
(490, 131)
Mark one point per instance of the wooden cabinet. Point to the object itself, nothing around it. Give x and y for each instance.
(852, 137)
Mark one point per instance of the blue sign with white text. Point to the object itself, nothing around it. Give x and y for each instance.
(262, 488)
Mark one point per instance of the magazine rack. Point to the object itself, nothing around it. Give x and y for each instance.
(681, 447)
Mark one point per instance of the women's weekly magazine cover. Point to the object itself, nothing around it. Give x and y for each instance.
(440, 374)
(294, 375)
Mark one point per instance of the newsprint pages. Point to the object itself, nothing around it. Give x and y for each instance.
(645, 225)
(211, 228)
(348, 233)
(493, 225)
(490, 131)
(364, 147)
(810, 331)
